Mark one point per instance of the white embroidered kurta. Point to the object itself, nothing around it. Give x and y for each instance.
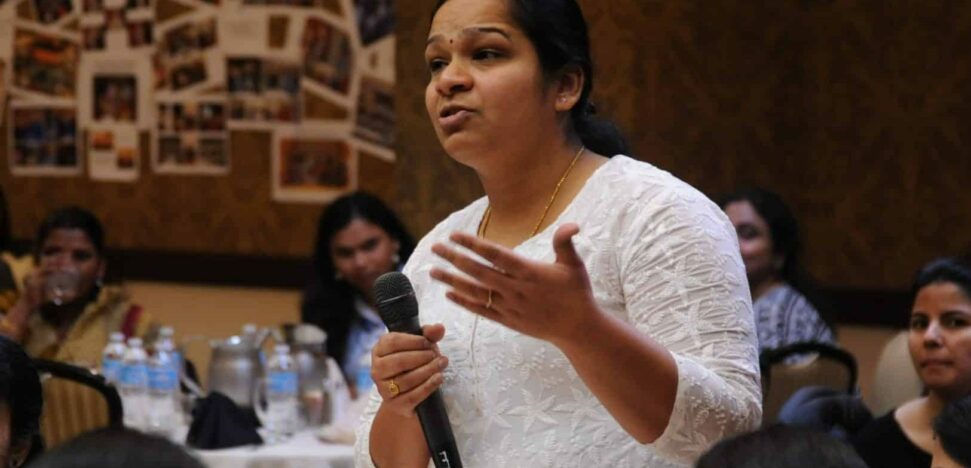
(661, 257)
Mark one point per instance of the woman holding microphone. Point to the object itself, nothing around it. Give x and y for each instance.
(591, 310)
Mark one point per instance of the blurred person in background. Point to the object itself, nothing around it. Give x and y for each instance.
(13, 268)
(117, 448)
(66, 312)
(768, 237)
(781, 446)
(940, 348)
(359, 239)
(20, 406)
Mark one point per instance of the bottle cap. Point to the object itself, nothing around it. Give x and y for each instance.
(135, 342)
(282, 349)
(166, 331)
(117, 336)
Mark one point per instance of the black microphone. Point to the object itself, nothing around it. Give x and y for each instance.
(399, 311)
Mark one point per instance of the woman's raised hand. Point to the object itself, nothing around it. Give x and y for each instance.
(549, 301)
(407, 368)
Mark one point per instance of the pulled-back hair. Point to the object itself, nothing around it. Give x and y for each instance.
(953, 429)
(955, 270)
(72, 217)
(558, 32)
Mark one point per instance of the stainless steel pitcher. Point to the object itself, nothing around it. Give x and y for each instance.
(236, 367)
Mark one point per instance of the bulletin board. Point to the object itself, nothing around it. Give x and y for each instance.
(207, 126)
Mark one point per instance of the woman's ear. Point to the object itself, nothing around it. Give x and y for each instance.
(568, 88)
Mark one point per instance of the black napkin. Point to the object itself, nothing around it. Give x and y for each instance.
(217, 422)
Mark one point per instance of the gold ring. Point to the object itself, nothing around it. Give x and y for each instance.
(489, 301)
(393, 388)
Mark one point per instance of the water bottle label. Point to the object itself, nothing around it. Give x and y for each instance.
(134, 375)
(282, 382)
(162, 378)
(110, 369)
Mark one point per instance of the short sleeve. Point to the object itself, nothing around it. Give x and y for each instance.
(684, 285)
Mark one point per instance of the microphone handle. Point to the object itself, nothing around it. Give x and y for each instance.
(438, 432)
(432, 415)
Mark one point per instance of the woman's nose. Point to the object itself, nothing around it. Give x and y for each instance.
(932, 335)
(454, 79)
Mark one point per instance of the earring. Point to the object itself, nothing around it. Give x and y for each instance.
(100, 282)
(338, 276)
(395, 258)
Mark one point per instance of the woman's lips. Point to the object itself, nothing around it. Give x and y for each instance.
(935, 363)
(454, 121)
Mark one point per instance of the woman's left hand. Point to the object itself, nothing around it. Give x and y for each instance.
(549, 301)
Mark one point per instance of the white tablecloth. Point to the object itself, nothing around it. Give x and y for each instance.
(303, 450)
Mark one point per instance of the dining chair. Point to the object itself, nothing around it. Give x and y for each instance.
(76, 400)
(791, 367)
(895, 381)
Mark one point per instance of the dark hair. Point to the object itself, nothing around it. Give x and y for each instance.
(558, 32)
(20, 390)
(72, 217)
(956, 270)
(782, 227)
(779, 445)
(953, 429)
(327, 302)
(117, 448)
(4, 222)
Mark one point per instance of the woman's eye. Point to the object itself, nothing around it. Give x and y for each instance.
(918, 324)
(486, 55)
(436, 65)
(954, 322)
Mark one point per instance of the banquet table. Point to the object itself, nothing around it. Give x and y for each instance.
(303, 450)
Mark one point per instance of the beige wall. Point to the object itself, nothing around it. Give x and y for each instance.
(218, 312)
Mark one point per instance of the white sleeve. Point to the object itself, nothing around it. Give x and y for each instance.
(362, 441)
(684, 285)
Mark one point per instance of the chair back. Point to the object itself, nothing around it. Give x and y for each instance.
(791, 367)
(895, 380)
(75, 401)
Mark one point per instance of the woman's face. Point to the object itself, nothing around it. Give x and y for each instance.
(940, 338)
(362, 252)
(754, 241)
(71, 249)
(487, 89)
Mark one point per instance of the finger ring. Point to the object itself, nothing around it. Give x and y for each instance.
(393, 388)
(489, 301)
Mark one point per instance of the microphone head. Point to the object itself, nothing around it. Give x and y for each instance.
(395, 298)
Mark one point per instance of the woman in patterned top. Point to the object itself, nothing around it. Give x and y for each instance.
(768, 237)
(591, 309)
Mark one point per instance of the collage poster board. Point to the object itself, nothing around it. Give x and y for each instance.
(86, 81)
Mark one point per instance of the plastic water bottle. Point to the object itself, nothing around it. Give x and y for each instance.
(163, 387)
(281, 394)
(134, 384)
(166, 338)
(112, 357)
(362, 375)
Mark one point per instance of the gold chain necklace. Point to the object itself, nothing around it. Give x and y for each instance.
(556, 191)
(480, 232)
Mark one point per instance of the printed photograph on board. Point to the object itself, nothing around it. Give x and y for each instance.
(180, 61)
(45, 64)
(43, 140)
(308, 169)
(115, 98)
(191, 138)
(375, 112)
(262, 90)
(51, 11)
(375, 19)
(327, 55)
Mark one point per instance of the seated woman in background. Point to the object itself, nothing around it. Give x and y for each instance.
(66, 312)
(940, 347)
(768, 237)
(781, 446)
(358, 239)
(20, 406)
